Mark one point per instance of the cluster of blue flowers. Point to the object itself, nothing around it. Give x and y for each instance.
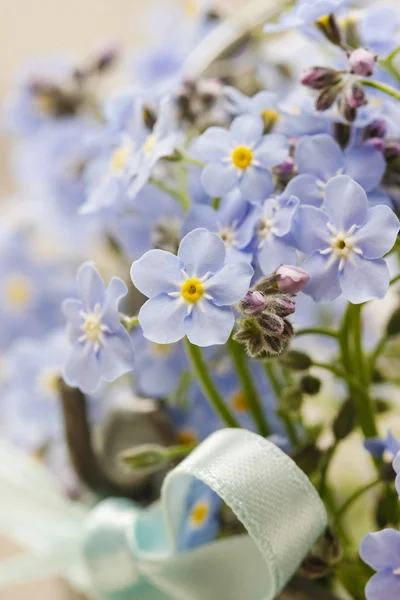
(223, 198)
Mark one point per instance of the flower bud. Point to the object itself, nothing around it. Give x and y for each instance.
(319, 78)
(377, 143)
(310, 385)
(362, 62)
(354, 94)
(392, 149)
(285, 168)
(292, 280)
(281, 305)
(296, 360)
(146, 458)
(376, 129)
(328, 25)
(253, 303)
(326, 98)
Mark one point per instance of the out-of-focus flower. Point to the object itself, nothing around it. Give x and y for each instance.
(346, 244)
(101, 347)
(381, 551)
(240, 158)
(200, 522)
(190, 294)
(306, 12)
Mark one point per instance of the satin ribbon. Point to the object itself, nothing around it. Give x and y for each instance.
(118, 551)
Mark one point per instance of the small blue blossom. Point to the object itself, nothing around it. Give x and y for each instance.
(240, 158)
(381, 551)
(274, 221)
(306, 12)
(192, 293)
(101, 347)
(378, 26)
(346, 243)
(200, 522)
(263, 104)
(378, 446)
(233, 221)
(318, 158)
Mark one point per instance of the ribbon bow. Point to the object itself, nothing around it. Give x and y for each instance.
(119, 551)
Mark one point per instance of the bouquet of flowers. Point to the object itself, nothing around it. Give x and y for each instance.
(200, 323)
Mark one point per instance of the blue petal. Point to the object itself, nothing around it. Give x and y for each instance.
(363, 280)
(383, 586)
(275, 252)
(116, 290)
(379, 232)
(283, 217)
(201, 216)
(246, 130)
(272, 150)
(71, 309)
(320, 156)
(366, 165)
(202, 252)
(377, 197)
(346, 202)
(90, 285)
(381, 550)
(156, 272)
(162, 319)
(256, 184)
(310, 229)
(306, 189)
(324, 283)
(82, 369)
(214, 145)
(116, 356)
(210, 326)
(230, 284)
(219, 179)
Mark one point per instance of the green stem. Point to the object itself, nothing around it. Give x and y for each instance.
(352, 381)
(360, 362)
(208, 386)
(379, 348)
(354, 497)
(393, 54)
(276, 387)
(173, 452)
(192, 161)
(129, 322)
(324, 471)
(185, 199)
(386, 89)
(250, 389)
(182, 198)
(317, 331)
(395, 279)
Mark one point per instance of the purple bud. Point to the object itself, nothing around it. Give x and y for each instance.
(354, 94)
(318, 78)
(377, 142)
(281, 305)
(286, 168)
(392, 149)
(326, 98)
(292, 279)
(253, 303)
(376, 129)
(362, 62)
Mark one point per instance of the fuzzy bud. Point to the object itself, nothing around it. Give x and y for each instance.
(296, 360)
(281, 305)
(362, 62)
(292, 280)
(326, 98)
(376, 129)
(318, 78)
(354, 94)
(253, 303)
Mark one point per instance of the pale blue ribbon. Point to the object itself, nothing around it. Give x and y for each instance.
(119, 551)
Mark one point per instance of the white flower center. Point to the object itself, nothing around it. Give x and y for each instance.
(93, 328)
(342, 245)
(228, 235)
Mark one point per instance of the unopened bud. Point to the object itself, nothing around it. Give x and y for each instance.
(327, 24)
(376, 129)
(292, 280)
(285, 168)
(354, 94)
(281, 305)
(377, 143)
(392, 149)
(310, 385)
(362, 62)
(147, 458)
(326, 98)
(296, 360)
(253, 303)
(319, 78)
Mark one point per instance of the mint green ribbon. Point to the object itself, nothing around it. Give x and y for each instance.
(119, 551)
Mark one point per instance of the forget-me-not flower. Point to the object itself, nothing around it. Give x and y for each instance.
(101, 347)
(381, 551)
(192, 293)
(305, 13)
(200, 522)
(319, 157)
(346, 243)
(264, 104)
(274, 221)
(240, 158)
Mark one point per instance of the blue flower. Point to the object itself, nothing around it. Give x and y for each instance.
(318, 158)
(240, 158)
(346, 243)
(263, 104)
(274, 221)
(378, 446)
(101, 347)
(381, 551)
(306, 12)
(233, 221)
(200, 523)
(377, 28)
(190, 294)
(396, 467)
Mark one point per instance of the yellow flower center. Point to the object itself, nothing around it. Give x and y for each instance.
(192, 8)
(270, 118)
(239, 402)
(18, 292)
(45, 102)
(192, 290)
(48, 381)
(187, 437)
(93, 327)
(149, 143)
(242, 157)
(199, 514)
(324, 21)
(161, 349)
(120, 158)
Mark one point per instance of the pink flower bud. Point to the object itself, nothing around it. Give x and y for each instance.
(253, 303)
(318, 78)
(292, 279)
(354, 94)
(362, 62)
